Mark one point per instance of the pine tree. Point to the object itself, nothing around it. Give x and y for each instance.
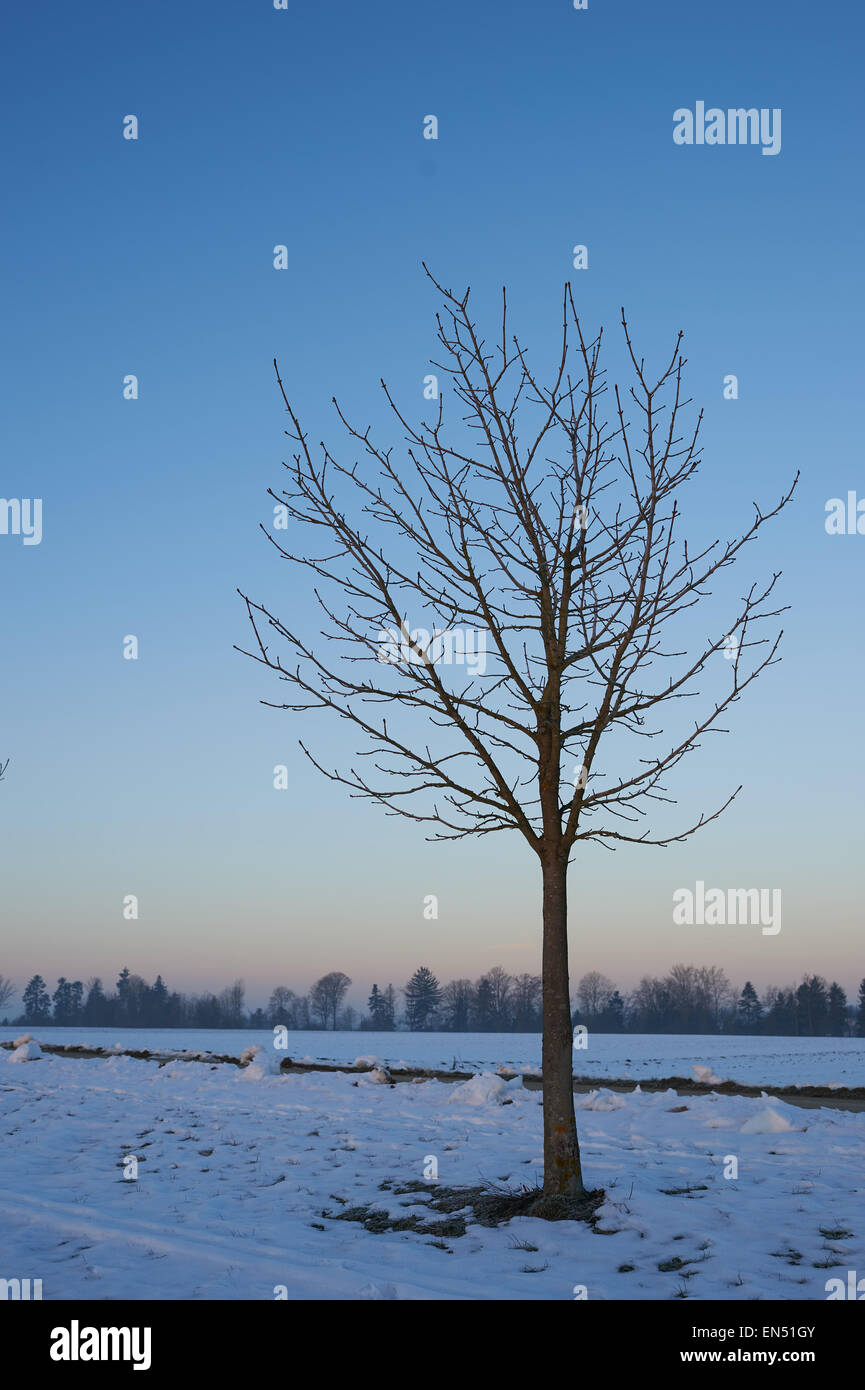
(37, 1001)
(381, 1010)
(389, 1010)
(837, 1021)
(123, 994)
(76, 1001)
(783, 1017)
(67, 1001)
(484, 1005)
(60, 1000)
(812, 999)
(376, 1007)
(422, 998)
(616, 1012)
(158, 1002)
(748, 1008)
(96, 1006)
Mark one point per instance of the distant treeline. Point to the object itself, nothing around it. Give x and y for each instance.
(690, 999)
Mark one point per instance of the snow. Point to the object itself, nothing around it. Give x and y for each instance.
(706, 1076)
(242, 1175)
(26, 1052)
(483, 1089)
(766, 1121)
(629, 1056)
(601, 1100)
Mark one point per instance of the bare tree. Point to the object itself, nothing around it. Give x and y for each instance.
(593, 991)
(326, 996)
(718, 991)
(280, 1007)
(527, 1001)
(231, 1004)
(456, 1002)
(3, 767)
(7, 989)
(501, 986)
(560, 544)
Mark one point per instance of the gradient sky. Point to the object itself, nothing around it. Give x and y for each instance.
(155, 257)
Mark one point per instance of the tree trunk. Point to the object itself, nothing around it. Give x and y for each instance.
(562, 1173)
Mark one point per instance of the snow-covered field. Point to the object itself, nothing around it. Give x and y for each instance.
(638, 1057)
(236, 1168)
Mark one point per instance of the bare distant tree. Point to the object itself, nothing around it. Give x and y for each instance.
(593, 991)
(326, 996)
(3, 767)
(456, 1003)
(501, 986)
(231, 1004)
(526, 1002)
(716, 989)
(7, 989)
(281, 1005)
(558, 541)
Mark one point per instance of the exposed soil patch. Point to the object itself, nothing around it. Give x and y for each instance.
(486, 1206)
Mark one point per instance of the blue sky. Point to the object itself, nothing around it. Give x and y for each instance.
(304, 127)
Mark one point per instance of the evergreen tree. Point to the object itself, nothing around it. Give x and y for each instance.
(96, 1008)
(76, 1000)
(389, 1010)
(748, 1009)
(67, 1000)
(123, 995)
(60, 999)
(837, 1020)
(615, 1013)
(376, 1007)
(782, 1019)
(157, 1006)
(422, 998)
(484, 1005)
(812, 999)
(37, 1001)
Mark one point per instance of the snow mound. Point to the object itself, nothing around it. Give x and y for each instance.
(248, 1053)
(379, 1076)
(766, 1121)
(602, 1100)
(483, 1089)
(368, 1062)
(27, 1052)
(25, 1038)
(707, 1076)
(262, 1063)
